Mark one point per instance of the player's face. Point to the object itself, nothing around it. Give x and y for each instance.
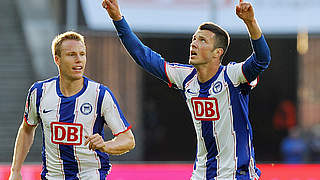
(73, 59)
(202, 47)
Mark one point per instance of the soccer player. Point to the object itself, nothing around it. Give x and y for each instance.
(72, 110)
(217, 96)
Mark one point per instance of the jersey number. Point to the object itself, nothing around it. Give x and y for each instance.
(66, 133)
(205, 109)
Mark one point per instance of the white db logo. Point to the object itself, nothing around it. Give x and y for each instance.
(205, 109)
(66, 133)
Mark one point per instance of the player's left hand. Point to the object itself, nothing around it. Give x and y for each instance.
(244, 11)
(95, 142)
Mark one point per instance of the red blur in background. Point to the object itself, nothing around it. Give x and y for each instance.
(180, 172)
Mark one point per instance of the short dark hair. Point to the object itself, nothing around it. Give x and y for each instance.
(222, 38)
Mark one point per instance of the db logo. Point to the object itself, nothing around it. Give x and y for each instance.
(205, 109)
(66, 133)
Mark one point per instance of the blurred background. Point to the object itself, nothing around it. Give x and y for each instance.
(284, 107)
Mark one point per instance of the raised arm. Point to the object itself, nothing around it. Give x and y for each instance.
(260, 58)
(22, 146)
(141, 54)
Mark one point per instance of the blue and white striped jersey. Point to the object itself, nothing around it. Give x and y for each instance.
(219, 107)
(66, 120)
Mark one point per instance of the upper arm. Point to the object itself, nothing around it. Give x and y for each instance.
(113, 115)
(235, 73)
(176, 73)
(30, 116)
(258, 61)
(141, 54)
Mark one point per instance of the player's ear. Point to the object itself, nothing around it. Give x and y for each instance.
(218, 52)
(57, 60)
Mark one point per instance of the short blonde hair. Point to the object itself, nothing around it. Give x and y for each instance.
(57, 41)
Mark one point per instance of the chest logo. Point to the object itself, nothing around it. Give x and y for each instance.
(46, 111)
(205, 109)
(66, 133)
(217, 87)
(86, 108)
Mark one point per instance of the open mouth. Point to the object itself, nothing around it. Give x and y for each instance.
(77, 68)
(193, 53)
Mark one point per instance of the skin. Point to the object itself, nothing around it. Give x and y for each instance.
(71, 64)
(203, 56)
(23, 143)
(121, 144)
(206, 59)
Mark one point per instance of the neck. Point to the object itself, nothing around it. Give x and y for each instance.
(206, 71)
(70, 87)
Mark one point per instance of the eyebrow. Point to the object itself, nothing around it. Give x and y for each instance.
(66, 50)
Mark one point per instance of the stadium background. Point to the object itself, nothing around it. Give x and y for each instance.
(285, 104)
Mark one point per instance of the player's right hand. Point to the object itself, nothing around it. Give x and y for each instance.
(113, 9)
(15, 176)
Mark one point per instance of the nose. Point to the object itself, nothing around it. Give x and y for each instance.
(193, 44)
(77, 58)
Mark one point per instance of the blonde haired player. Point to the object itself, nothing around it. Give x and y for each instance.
(72, 110)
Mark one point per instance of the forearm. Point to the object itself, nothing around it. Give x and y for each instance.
(142, 55)
(258, 61)
(253, 29)
(23, 143)
(121, 144)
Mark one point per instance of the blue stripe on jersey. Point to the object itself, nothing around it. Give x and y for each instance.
(181, 65)
(241, 125)
(38, 86)
(39, 96)
(210, 142)
(98, 125)
(70, 165)
(43, 154)
(44, 170)
(98, 128)
(188, 78)
(142, 55)
(125, 122)
(105, 164)
(66, 112)
(207, 131)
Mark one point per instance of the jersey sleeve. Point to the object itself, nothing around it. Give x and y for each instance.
(30, 113)
(236, 75)
(113, 115)
(177, 73)
(258, 61)
(249, 70)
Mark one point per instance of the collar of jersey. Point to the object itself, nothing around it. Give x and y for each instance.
(207, 84)
(85, 85)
